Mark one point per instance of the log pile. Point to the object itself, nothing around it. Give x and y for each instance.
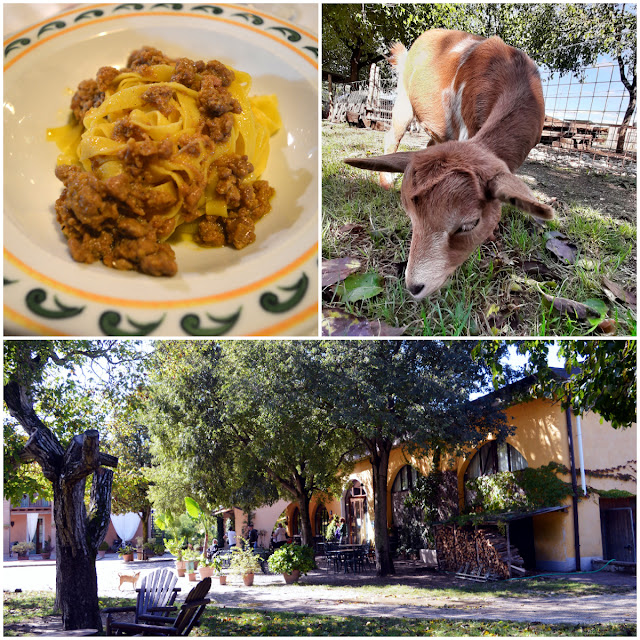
(476, 549)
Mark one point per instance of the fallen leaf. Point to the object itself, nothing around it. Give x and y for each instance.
(334, 271)
(353, 227)
(620, 293)
(570, 307)
(337, 323)
(598, 307)
(608, 327)
(533, 266)
(565, 251)
(360, 286)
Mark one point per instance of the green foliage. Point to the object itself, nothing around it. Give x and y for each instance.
(243, 560)
(613, 493)
(126, 550)
(291, 557)
(104, 546)
(23, 548)
(524, 490)
(601, 375)
(332, 528)
(175, 547)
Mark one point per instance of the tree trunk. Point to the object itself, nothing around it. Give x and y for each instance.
(380, 468)
(305, 520)
(78, 532)
(631, 87)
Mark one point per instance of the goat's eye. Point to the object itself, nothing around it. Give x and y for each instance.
(467, 226)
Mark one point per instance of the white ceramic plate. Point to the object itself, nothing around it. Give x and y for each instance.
(269, 288)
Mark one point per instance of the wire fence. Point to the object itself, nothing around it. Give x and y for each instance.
(584, 115)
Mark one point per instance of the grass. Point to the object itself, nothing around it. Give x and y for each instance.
(491, 293)
(21, 608)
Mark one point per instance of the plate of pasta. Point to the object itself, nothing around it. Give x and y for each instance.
(161, 173)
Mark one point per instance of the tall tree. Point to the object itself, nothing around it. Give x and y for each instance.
(412, 393)
(249, 425)
(31, 385)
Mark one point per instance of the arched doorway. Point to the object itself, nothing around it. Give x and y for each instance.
(356, 513)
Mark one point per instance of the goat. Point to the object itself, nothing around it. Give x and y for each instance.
(481, 103)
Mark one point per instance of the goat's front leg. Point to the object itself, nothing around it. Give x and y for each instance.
(401, 118)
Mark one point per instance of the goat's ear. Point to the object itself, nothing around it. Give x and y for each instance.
(509, 188)
(393, 162)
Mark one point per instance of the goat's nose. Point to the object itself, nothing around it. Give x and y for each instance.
(416, 289)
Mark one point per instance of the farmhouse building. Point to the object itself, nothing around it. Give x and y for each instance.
(596, 523)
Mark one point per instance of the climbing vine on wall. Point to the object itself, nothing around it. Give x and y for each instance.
(523, 490)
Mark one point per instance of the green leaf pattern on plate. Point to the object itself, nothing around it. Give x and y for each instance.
(191, 324)
(110, 320)
(57, 24)
(270, 302)
(94, 13)
(292, 36)
(16, 44)
(250, 17)
(36, 297)
(209, 8)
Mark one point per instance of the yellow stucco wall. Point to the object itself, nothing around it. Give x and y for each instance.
(541, 437)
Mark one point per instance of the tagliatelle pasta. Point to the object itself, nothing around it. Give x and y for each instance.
(161, 149)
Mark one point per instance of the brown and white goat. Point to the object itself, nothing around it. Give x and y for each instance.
(481, 102)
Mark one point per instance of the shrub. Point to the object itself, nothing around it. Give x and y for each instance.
(290, 557)
(23, 548)
(243, 560)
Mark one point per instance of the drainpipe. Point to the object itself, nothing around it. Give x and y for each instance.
(574, 492)
(581, 455)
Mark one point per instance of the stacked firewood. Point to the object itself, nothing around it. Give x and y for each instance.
(476, 549)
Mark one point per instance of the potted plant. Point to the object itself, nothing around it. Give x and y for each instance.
(291, 560)
(126, 553)
(190, 556)
(216, 564)
(23, 549)
(174, 547)
(103, 548)
(158, 548)
(244, 562)
(205, 567)
(46, 550)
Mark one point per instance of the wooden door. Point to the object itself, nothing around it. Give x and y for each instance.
(619, 534)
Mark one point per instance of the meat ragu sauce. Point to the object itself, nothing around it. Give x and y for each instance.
(123, 219)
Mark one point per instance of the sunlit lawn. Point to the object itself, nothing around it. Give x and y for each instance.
(26, 608)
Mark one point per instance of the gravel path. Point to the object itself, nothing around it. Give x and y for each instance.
(313, 596)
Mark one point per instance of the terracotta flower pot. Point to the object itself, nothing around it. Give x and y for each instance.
(223, 580)
(192, 577)
(247, 578)
(45, 555)
(292, 577)
(24, 557)
(127, 557)
(205, 572)
(101, 553)
(180, 568)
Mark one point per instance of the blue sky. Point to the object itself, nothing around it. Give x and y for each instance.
(600, 98)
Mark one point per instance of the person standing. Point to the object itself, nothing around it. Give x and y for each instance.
(253, 537)
(231, 537)
(280, 536)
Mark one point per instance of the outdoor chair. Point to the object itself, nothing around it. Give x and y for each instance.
(156, 595)
(188, 616)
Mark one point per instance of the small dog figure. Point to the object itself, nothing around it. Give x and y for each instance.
(128, 577)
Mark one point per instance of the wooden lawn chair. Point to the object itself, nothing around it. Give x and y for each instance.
(156, 594)
(188, 616)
